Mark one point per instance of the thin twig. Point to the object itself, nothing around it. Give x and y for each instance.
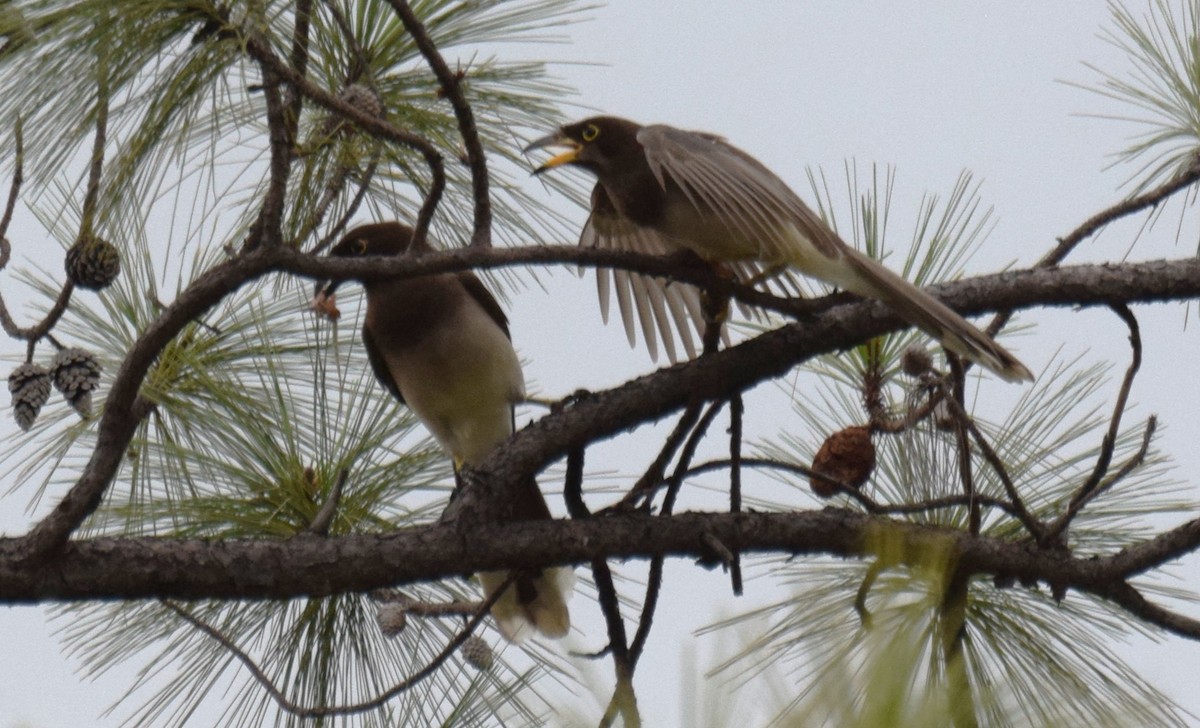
(860, 597)
(1084, 494)
(35, 333)
(371, 124)
(363, 67)
(954, 398)
(95, 171)
(869, 504)
(735, 481)
(1132, 600)
(573, 485)
(1122, 209)
(363, 186)
(324, 711)
(294, 104)
(1134, 462)
(268, 227)
(481, 234)
(685, 457)
(654, 576)
(1017, 505)
(325, 514)
(14, 191)
(618, 645)
(654, 476)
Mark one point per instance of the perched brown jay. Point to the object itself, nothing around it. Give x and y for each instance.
(662, 190)
(440, 344)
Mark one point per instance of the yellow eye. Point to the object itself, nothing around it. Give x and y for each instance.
(590, 132)
(360, 246)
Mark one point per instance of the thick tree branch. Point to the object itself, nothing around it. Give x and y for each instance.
(139, 568)
(641, 400)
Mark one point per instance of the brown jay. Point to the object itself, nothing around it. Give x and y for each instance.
(662, 190)
(440, 344)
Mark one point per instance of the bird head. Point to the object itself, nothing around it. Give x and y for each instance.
(602, 145)
(382, 238)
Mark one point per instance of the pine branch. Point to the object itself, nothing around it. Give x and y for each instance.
(644, 399)
(141, 568)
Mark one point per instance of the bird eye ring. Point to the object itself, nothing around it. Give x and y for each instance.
(590, 132)
(360, 246)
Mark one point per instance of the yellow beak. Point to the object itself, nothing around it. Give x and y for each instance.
(556, 140)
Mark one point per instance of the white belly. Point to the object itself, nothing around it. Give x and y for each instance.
(462, 383)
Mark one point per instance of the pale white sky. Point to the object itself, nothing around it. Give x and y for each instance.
(799, 84)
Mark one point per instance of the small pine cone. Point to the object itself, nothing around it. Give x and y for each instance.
(360, 97)
(76, 374)
(30, 388)
(847, 457)
(93, 262)
(392, 619)
(916, 361)
(477, 653)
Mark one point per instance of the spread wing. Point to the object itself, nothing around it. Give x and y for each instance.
(662, 309)
(736, 191)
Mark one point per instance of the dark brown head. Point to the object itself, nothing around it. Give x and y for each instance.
(603, 145)
(380, 238)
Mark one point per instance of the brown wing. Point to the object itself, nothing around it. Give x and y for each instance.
(733, 190)
(736, 190)
(661, 308)
(484, 298)
(379, 365)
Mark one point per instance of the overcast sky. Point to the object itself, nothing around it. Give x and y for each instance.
(804, 84)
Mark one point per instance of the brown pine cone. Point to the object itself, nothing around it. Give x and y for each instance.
(477, 653)
(846, 457)
(30, 388)
(76, 374)
(93, 262)
(392, 619)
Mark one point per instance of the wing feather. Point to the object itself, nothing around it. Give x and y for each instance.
(663, 310)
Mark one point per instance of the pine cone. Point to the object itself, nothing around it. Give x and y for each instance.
(477, 653)
(392, 619)
(76, 374)
(360, 97)
(916, 361)
(30, 388)
(847, 457)
(93, 262)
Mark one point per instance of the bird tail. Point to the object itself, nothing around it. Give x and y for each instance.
(532, 602)
(932, 316)
(535, 600)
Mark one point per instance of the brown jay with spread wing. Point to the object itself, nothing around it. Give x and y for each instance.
(661, 189)
(440, 344)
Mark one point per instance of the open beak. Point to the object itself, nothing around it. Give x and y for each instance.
(556, 140)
